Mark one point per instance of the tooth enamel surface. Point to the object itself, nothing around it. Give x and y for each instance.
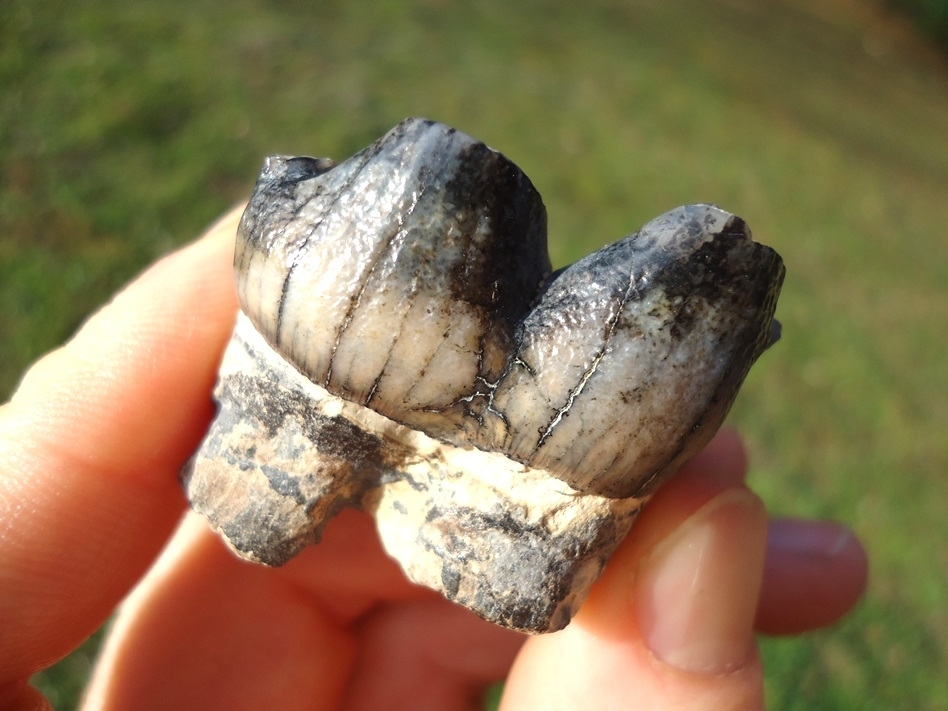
(404, 348)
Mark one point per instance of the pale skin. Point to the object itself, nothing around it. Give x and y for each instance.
(91, 512)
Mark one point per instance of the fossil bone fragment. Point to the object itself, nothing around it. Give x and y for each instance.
(404, 348)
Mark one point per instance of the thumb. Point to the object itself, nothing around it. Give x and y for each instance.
(670, 623)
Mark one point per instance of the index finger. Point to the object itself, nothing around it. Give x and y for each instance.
(91, 444)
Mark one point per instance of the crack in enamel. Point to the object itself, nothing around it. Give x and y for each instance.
(356, 301)
(593, 366)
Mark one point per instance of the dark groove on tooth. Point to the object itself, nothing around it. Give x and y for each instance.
(356, 301)
(593, 366)
(301, 248)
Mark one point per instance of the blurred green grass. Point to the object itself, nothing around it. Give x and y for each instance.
(126, 127)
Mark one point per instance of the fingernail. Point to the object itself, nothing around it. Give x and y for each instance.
(810, 539)
(697, 591)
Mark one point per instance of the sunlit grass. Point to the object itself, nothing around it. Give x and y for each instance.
(127, 127)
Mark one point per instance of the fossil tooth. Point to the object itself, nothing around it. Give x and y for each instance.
(403, 348)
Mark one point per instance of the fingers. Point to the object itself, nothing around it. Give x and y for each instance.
(348, 573)
(205, 630)
(20, 696)
(671, 622)
(428, 654)
(722, 461)
(815, 573)
(90, 447)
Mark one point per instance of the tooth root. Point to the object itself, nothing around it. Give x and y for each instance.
(284, 456)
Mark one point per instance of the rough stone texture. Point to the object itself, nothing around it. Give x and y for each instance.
(405, 349)
(517, 546)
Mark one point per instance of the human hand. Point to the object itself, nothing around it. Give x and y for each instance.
(90, 448)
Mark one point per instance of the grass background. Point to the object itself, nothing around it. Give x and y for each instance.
(126, 127)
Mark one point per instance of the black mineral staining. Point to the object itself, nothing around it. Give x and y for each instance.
(503, 273)
(451, 579)
(284, 483)
(531, 573)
